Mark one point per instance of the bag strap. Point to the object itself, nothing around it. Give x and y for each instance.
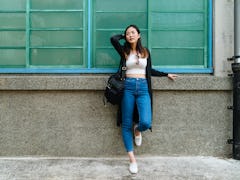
(123, 69)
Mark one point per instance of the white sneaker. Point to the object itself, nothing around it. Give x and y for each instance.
(133, 168)
(138, 139)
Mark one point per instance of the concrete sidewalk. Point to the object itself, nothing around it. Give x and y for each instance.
(161, 168)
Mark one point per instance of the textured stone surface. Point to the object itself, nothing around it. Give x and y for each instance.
(81, 82)
(192, 122)
(154, 168)
(56, 123)
(76, 123)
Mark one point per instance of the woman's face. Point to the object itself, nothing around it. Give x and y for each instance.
(132, 35)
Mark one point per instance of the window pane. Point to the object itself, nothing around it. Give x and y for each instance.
(120, 20)
(171, 21)
(8, 57)
(56, 57)
(177, 5)
(13, 5)
(106, 58)
(122, 6)
(57, 38)
(57, 4)
(185, 57)
(56, 20)
(12, 38)
(12, 20)
(177, 39)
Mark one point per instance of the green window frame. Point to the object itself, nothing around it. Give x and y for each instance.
(72, 36)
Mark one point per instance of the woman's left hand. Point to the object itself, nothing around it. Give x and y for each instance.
(172, 76)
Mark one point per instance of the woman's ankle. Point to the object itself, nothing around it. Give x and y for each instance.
(132, 160)
(131, 156)
(136, 131)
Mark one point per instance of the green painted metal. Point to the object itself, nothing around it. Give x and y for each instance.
(179, 32)
(57, 30)
(174, 31)
(13, 5)
(112, 17)
(12, 33)
(43, 33)
(58, 5)
(56, 34)
(28, 20)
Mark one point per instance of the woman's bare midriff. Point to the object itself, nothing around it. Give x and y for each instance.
(136, 75)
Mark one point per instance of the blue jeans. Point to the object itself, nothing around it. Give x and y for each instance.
(136, 91)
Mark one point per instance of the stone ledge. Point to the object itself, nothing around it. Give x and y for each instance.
(97, 82)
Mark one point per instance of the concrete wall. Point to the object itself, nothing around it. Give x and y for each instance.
(65, 116)
(223, 36)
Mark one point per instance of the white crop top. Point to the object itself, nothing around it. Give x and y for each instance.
(136, 65)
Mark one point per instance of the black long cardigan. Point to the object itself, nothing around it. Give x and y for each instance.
(149, 72)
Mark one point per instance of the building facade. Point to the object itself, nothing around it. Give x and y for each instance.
(56, 57)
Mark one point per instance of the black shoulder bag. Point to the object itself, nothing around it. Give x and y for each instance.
(115, 85)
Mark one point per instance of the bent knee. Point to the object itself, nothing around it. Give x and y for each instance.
(144, 126)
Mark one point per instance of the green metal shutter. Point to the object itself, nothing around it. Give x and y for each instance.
(179, 33)
(43, 33)
(12, 33)
(57, 33)
(111, 17)
(74, 34)
(176, 32)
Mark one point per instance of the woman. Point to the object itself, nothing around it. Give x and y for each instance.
(136, 104)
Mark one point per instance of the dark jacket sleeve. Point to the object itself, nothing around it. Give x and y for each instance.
(158, 73)
(116, 44)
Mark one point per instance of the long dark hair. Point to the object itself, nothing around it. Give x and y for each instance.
(140, 49)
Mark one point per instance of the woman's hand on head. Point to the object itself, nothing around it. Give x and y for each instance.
(172, 76)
